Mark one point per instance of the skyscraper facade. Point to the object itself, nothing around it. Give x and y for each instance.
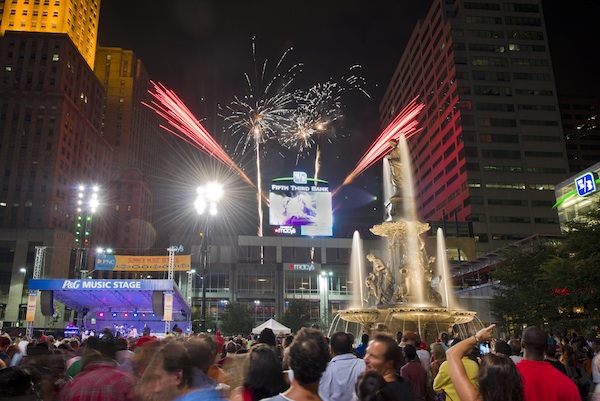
(133, 132)
(579, 116)
(51, 107)
(76, 18)
(491, 147)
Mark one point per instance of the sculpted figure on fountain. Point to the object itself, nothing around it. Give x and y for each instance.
(393, 205)
(383, 280)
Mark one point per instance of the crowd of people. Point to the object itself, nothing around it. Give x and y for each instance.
(304, 366)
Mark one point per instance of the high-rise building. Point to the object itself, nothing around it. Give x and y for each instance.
(50, 139)
(50, 118)
(579, 115)
(132, 130)
(76, 18)
(492, 146)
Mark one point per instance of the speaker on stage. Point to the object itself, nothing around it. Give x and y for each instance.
(47, 302)
(158, 303)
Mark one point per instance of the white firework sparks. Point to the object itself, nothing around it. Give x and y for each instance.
(262, 113)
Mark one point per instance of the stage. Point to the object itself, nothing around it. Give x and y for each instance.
(116, 303)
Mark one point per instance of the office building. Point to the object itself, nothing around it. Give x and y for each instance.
(579, 115)
(133, 132)
(76, 18)
(492, 146)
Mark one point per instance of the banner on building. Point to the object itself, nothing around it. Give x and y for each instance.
(141, 263)
(31, 304)
(168, 315)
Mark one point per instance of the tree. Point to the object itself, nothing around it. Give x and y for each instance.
(236, 319)
(552, 284)
(522, 295)
(295, 316)
(574, 274)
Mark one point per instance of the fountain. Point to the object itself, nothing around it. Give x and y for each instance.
(411, 291)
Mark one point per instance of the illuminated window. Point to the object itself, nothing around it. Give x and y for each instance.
(55, 57)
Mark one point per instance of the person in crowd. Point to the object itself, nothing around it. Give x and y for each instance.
(144, 349)
(5, 342)
(263, 376)
(444, 339)
(567, 358)
(438, 356)
(383, 356)
(515, 350)
(409, 337)
(502, 347)
(20, 384)
(444, 384)
(309, 356)
(123, 355)
(230, 349)
(202, 357)
(414, 373)
(43, 360)
(595, 366)
(170, 377)
(364, 343)
(337, 382)
(75, 366)
(422, 354)
(371, 386)
(550, 357)
(219, 341)
(100, 378)
(23, 343)
(287, 341)
(498, 377)
(267, 336)
(541, 381)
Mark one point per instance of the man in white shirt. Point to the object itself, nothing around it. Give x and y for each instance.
(596, 365)
(338, 381)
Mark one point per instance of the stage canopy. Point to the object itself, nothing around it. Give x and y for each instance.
(114, 295)
(274, 325)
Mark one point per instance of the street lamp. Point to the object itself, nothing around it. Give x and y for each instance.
(87, 204)
(206, 202)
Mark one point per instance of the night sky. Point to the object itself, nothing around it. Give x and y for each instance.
(201, 49)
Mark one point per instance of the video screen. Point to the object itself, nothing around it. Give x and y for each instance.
(300, 209)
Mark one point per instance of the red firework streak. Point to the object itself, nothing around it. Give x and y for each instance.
(188, 128)
(404, 124)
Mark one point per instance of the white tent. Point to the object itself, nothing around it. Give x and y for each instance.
(274, 325)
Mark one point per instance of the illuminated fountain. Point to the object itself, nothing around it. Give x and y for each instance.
(411, 291)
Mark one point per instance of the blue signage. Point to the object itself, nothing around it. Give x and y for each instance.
(300, 177)
(105, 262)
(100, 284)
(586, 184)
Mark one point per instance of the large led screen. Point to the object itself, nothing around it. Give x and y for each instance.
(300, 207)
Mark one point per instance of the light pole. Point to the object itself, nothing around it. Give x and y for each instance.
(87, 204)
(206, 202)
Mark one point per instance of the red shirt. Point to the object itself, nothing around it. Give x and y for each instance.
(99, 382)
(543, 382)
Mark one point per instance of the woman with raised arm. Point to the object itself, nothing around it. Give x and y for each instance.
(498, 377)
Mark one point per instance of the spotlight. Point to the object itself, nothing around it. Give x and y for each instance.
(143, 315)
(126, 314)
(101, 314)
(135, 314)
(114, 314)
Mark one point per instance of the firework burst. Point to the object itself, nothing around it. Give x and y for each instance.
(187, 127)
(262, 113)
(405, 124)
(317, 112)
